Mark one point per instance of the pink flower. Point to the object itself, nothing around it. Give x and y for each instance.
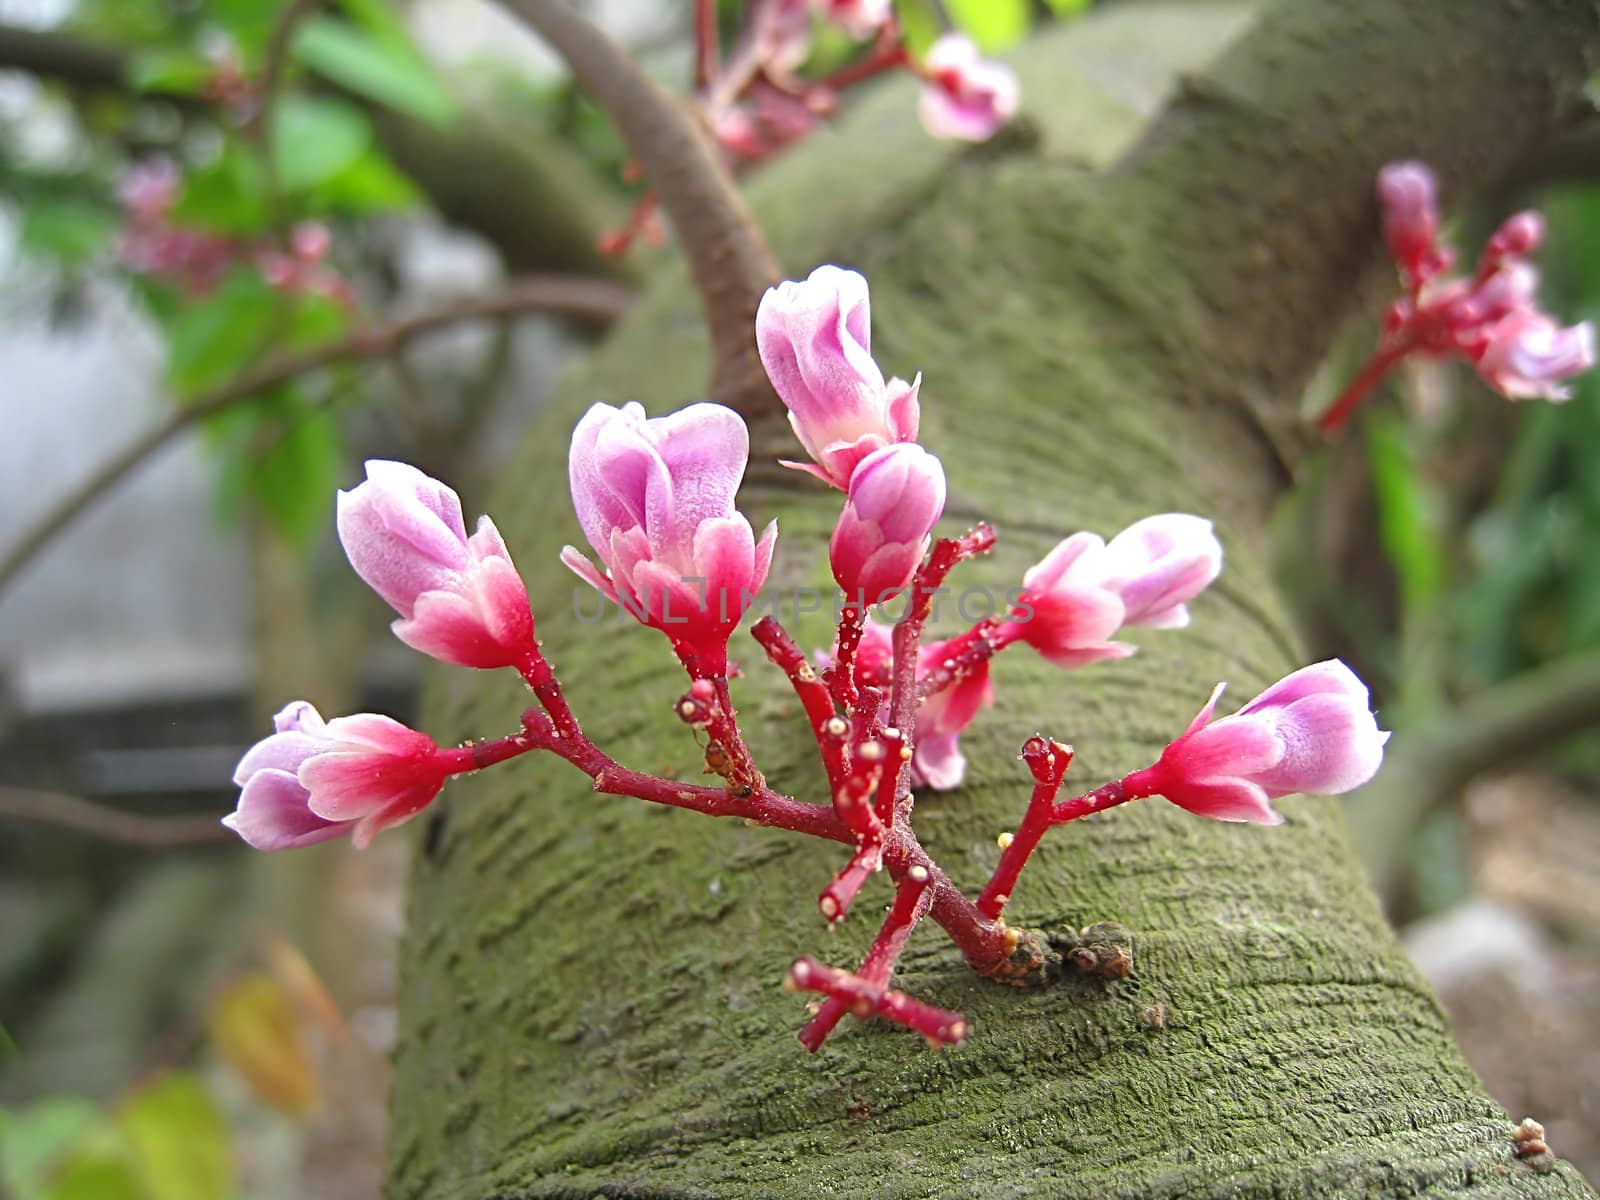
(655, 499)
(311, 781)
(815, 340)
(896, 497)
(964, 96)
(861, 19)
(1309, 732)
(1408, 205)
(936, 758)
(1085, 590)
(1527, 354)
(460, 600)
(782, 36)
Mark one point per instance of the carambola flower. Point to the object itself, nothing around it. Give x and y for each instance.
(313, 780)
(1312, 731)
(655, 499)
(459, 598)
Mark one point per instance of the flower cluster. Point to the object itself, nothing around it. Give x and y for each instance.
(1491, 319)
(656, 501)
(756, 102)
(154, 243)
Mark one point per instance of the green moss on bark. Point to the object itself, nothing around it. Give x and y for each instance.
(590, 999)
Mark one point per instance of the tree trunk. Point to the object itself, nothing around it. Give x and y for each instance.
(590, 986)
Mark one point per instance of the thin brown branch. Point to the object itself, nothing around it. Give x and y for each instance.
(728, 257)
(578, 298)
(113, 824)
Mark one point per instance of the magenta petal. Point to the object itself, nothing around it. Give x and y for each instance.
(1226, 800)
(1332, 745)
(450, 628)
(273, 815)
(381, 734)
(279, 752)
(1048, 571)
(938, 763)
(585, 570)
(724, 557)
(1330, 677)
(1238, 746)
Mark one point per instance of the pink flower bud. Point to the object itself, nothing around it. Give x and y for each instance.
(312, 781)
(460, 600)
(655, 499)
(815, 341)
(896, 498)
(310, 241)
(861, 19)
(1309, 732)
(1084, 590)
(1519, 235)
(783, 35)
(1526, 354)
(1408, 200)
(964, 96)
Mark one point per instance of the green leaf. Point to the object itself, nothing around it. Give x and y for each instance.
(215, 339)
(178, 1140)
(313, 139)
(295, 480)
(377, 17)
(389, 73)
(920, 23)
(36, 1141)
(69, 230)
(1408, 513)
(170, 72)
(370, 184)
(1068, 8)
(993, 24)
(225, 196)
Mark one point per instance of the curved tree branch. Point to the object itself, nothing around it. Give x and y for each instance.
(1509, 723)
(99, 820)
(728, 257)
(582, 299)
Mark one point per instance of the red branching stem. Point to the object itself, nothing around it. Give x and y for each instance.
(855, 995)
(888, 53)
(1135, 786)
(724, 728)
(1048, 761)
(842, 674)
(896, 755)
(835, 900)
(827, 726)
(853, 800)
(960, 661)
(706, 51)
(475, 756)
(763, 807)
(911, 903)
(1359, 388)
(947, 552)
(536, 670)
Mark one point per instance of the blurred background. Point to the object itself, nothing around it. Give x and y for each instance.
(192, 190)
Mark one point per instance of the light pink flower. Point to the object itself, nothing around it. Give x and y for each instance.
(896, 498)
(1311, 731)
(815, 340)
(783, 35)
(861, 19)
(964, 96)
(655, 499)
(311, 781)
(1085, 590)
(1527, 354)
(1409, 208)
(936, 758)
(460, 600)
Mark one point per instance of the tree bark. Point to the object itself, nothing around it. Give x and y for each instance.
(589, 994)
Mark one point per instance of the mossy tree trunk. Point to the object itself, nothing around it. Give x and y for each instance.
(590, 999)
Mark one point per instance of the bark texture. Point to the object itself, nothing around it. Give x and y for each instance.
(590, 999)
